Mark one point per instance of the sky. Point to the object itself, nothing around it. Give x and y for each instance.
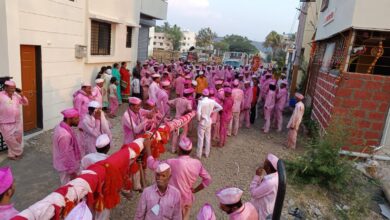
(251, 18)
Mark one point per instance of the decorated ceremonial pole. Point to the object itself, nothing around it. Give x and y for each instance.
(101, 182)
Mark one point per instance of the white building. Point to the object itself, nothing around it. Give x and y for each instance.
(162, 42)
(50, 46)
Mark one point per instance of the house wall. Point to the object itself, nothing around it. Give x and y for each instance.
(57, 26)
(359, 101)
(359, 14)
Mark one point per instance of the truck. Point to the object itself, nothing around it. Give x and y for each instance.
(235, 59)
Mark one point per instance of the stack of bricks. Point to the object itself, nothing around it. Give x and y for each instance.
(360, 101)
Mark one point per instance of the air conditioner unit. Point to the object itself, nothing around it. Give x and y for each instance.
(80, 51)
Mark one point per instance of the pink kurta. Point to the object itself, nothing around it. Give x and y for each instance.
(246, 212)
(179, 86)
(168, 203)
(10, 122)
(80, 102)
(281, 99)
(162, 101)
(185, 172)
(97, 95)
(245, 112)
(145, 83)
(226, 116)
(238, 98)
(7, 212)
(268, 109)
(263, 192)
(66, 152)
(293, 124)
(134, 127)
(153, 89)
(91, 129)
(182, 105)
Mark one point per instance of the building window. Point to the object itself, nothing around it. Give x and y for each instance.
(100, 38)
(129, 36)
(154, 43)
(163, 38)
(159, 37)
(161, 44)
(155, 37)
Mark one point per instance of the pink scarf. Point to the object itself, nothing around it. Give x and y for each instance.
(74, 139)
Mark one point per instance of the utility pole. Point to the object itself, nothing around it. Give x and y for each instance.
(298, 46)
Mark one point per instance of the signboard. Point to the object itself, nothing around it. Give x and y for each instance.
(329, 17)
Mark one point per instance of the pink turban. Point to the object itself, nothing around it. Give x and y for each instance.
(70, 113)
(206, 92)
(274, 160)
(229, 196)
(206, 213)
(299, 95)
(6, 179)
(10, 83)
(134, 101)
(185, 144)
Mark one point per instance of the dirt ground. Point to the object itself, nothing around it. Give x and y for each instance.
(233, 165)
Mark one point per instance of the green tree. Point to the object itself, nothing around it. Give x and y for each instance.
(222, 46)
(205, 37)
(175, 35)
(273, 40)
(240, 44)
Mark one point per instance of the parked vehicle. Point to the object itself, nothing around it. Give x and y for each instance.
(235, 59)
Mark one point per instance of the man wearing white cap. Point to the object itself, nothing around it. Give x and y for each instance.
(154, 87)
(67, 153)
(97, 91)
(102, 147)
(10, 121)
(92, 125)
(238, 98)
(206, 107)
(81, 99)
(295, 121)
(264, 187)
(185, 171)
(230, 202)
(160, 200)
(132, 121)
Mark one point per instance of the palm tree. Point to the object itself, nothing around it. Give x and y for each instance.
(273, 40)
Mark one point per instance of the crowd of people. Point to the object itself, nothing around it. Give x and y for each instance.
(224, 98)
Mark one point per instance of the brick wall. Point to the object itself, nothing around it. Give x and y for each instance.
(361, 101)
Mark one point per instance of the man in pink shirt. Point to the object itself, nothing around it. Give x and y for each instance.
(132, 121)
(295, 121)
(269, 106)
(281, 99)
(264, 187)
(67, 153)
(206, 107)
(154, 87)
(145, 83)
(81, 99)
(179, 84)
(92, 126)
(185, 172)
(7, 190)
(226, 116)
(160, 200)
(182, 105)
(230, 202)
(247, 104)
(11, 126)
(238, 98)
(97, 91)
(163, 97)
